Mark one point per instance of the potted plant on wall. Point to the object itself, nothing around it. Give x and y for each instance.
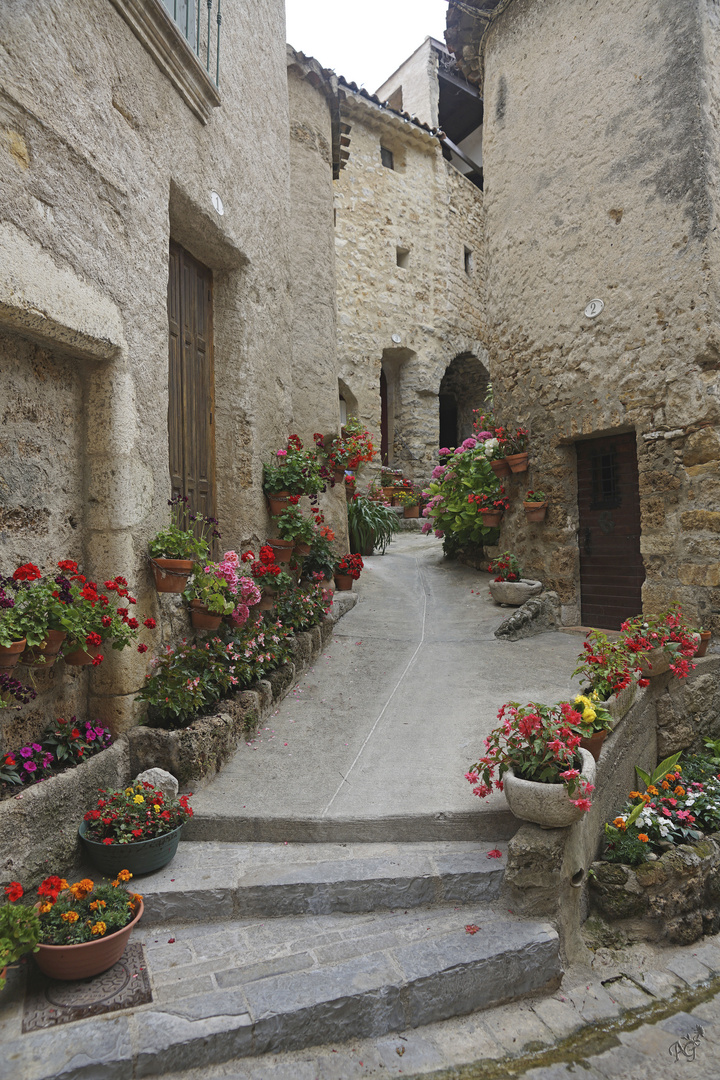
(348, 451)
(509, 586)
(42, 601)
(174, 550)
(137, 829)
(296, 529)
(269, 577)
(535, 504)
(516, 453)
(535, 757)
(12, 640)
(296, 471)
(91, 619)
(348, 570)
(595, 723)
(19, 929)
(209, 597)
(491, 506)
(606, 668)
(322, 559)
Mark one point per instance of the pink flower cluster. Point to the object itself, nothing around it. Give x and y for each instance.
(244, 589)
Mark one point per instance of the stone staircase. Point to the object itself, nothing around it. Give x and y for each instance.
(260, 948)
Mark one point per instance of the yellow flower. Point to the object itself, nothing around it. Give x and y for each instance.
(44, 908)
(139, 799)
(582, 700)
(156, 807)
(644, 837)
(124, 875)
(70, 916)
(595, 696)
(97, 904)
(128, 791)
(589, 715)
(99, 928)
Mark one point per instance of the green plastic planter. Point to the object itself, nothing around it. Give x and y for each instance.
(140, 858)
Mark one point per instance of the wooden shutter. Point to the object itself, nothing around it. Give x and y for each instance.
(191, 404)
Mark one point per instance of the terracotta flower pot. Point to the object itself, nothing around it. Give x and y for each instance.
(282, 549)
(702, 648)
(10, 654)
(75, 962)
(328, 584)
(593, 743)
(84, 655)
(535, 511)
(548, 805)
(387, 493)
(202, 619)
(46, 654)
(171, 575)
(343, 582)
(278, 502)
(411, 511)
(302, 549)
(518, 462)
(338, 475)
(500, 467)
(491, 518)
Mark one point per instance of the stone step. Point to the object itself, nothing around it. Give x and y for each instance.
(247, 987)
(207, 881)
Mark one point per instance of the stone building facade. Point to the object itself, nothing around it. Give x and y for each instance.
(408, 236)
(600, 152)
(117, 148)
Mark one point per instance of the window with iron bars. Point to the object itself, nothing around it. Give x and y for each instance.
(201, 30)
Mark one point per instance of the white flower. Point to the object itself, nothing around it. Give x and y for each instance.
(489, 447)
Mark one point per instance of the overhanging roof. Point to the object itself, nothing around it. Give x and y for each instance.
(467, 24)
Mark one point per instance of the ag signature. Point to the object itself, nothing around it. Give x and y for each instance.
(687, 1046)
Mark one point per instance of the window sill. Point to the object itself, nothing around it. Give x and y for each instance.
(155, 29)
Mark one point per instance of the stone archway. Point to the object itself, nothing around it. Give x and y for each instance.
(463, 389)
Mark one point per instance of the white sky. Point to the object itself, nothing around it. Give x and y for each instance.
(364, 40)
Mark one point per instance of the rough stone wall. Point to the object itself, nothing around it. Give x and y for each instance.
(600, 153)
(101, 163)
(413, 321)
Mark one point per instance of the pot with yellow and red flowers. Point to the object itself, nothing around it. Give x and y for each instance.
(84, 927)
(137, 828)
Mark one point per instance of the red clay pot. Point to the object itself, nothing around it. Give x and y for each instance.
(535, 511)
(517, 462)
(282, 549)
(302, 549)
(171, 575)
(594, 743)
(75, 962)
(10, 654)
(491, 518)
(411, 511)
(44, 655)
(278, 502)
(500, 467)
(702, 648)
(343, 582)
(201, 618)
(86, 655)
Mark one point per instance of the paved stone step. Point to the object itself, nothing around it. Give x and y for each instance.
(247, 987)
(233, 824)
(207, 881)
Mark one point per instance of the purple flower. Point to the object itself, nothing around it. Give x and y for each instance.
(37, 748)
(90, 733)
(30, 766)
(25, 752)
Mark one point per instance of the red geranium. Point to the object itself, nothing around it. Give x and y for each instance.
(27, 572)
(13, 891)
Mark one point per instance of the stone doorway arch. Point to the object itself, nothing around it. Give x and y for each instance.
(463, 389)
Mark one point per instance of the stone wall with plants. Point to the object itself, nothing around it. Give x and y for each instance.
(622, 212)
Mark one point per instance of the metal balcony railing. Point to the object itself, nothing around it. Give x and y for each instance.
(199, 31)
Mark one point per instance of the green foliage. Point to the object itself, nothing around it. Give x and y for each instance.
(370, 524)
(114, 908)
(187, 536)
(623, 847)
(135, 813)
(295, 470)
(452, 507)
(19, 933)
(303, 608)
(213, 591)
(322, 558)
(293, 525)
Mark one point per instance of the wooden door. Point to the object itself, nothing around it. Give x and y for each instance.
(191, 405)
(611, 566)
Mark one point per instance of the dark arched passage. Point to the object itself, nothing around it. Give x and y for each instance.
(464, 388)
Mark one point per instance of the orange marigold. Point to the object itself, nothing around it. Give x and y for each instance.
(679, 790)
(653, 790)
(96, 904)
(47, 906)
(665, 786)
(644, 837)
(124, 875)
(70, 916)
(635, 795)
(619, 823)
(99, 928)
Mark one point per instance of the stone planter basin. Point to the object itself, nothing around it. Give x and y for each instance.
(514, 593)
(548, 805)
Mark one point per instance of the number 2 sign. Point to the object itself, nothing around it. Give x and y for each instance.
(594, 308)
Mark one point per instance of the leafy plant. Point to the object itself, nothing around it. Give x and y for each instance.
(138, 812)
(595, 718)
(352, 565)
(209, 587)
(84, 911)
(296, 470)
(506, 567)
(451, 509)
(19, 928)
(304, 607)
(535, 496)
(88, 617)
(351, 450)
(64, 743)
(293, 525)
(188, 536)
(371, 524)
(12, 688)
(322, 558)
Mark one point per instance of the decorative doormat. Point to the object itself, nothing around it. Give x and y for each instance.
(52, 1001)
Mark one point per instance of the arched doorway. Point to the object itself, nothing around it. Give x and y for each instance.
(464, 388)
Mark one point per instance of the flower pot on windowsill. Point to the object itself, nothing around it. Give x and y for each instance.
(518, 462)
(500, 467)
(75, 962)
(343, 582)
(171, 575)
(10, 654)
(535, 511)
(80, 656)
(140, 857)
(282, 550)
(548, 805)
(491, 518)
(411, 512)
(46, 654)
(702, 648)
(278, 502)
(202, 619)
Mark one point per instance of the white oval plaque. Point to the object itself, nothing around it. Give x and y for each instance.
(594, 308)
(217, 202)
(396, 338)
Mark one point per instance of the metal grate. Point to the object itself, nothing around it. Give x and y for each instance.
(198, 31)
(605, 486)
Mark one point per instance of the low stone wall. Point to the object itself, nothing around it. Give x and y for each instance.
(675, 899)
(38, 826)
(546, 873)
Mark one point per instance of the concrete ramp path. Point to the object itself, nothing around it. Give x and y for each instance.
(373, 743)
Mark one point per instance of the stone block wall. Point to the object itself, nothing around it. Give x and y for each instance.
(411, 321)
(601, 144)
